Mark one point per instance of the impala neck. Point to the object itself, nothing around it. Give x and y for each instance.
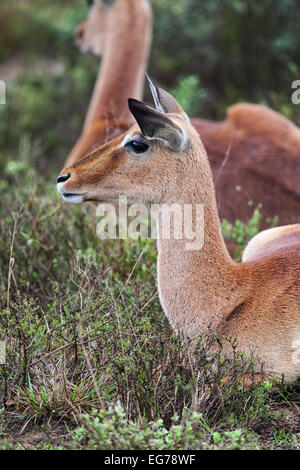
(124, 62)
(198, 288)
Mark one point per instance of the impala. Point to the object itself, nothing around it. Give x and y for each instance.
(161, 160)
(120, 32)
(254, 153)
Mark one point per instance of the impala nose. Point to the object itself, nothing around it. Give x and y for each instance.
(63, 178)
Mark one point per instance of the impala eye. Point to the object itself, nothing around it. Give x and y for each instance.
(90, 2)
(137, 146)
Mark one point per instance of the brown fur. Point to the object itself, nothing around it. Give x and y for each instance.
(255, 158)
(257, 301)
(121, 33)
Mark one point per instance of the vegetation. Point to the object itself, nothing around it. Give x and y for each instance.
(91, 361)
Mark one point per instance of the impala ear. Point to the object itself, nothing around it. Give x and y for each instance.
(157, 126)
(164, 102)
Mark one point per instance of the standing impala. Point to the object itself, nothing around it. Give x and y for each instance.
(119, 31)
(161, 160)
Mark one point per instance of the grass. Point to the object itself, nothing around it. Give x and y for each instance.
(87, 342)
(91, 359)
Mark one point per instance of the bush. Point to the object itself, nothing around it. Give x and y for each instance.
(110, 430)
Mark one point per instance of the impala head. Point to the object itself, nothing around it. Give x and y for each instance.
(102, 18)
(145, 164)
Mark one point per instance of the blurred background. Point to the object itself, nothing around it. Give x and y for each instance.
(210, 54)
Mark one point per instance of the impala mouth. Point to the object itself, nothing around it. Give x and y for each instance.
(74, 198)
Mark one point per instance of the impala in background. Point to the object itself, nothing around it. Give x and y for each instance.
(121, 32)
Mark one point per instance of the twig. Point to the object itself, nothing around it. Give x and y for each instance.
(11, 259)
(224, 162)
